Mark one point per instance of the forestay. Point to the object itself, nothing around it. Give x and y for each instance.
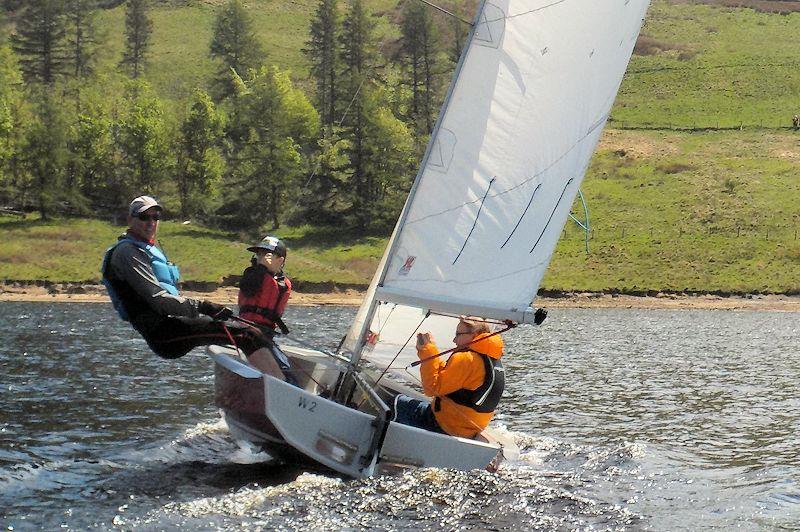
(531, 95)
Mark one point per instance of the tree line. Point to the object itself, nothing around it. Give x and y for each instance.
(249, 149)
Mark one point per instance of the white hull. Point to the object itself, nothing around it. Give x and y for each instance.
(300, 425)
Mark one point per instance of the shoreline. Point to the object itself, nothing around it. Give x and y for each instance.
(348, 297)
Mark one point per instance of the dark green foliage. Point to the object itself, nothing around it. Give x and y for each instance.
(323, 51)
(235, 46)
(323, 196)
(81, 36)
(40, 41)
(142, 139)
(276, 118)
(138, 28)
(419, 54)
(11, 100)
(94, 158)
(359, 45)
(201, 161)
(45, 156)
(11, 5)
(379, 145)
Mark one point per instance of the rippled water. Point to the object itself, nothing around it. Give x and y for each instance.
(628, 419)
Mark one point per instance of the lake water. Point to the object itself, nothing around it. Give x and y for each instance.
(628, 420)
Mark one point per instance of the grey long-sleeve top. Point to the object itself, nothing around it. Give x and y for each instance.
(131, 265)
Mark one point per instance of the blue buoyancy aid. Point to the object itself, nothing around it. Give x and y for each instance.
(166, 272)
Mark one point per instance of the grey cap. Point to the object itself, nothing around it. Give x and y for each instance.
(142, 203)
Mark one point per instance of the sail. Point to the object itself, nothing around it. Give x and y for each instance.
(531, 95)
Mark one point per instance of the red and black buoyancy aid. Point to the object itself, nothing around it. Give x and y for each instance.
(485, 397)
(263, 296)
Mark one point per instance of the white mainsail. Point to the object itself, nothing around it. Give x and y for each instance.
(529, 100)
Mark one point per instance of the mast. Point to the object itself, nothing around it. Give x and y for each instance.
(390, 249)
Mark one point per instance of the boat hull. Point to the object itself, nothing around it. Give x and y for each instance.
(299, 426)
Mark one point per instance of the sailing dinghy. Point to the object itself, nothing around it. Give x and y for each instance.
(530, 96)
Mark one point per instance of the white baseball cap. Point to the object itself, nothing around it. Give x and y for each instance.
(142, 203)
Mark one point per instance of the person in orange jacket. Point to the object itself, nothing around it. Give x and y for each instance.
(465, 389)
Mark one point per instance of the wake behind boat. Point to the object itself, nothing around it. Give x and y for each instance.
(530, 96)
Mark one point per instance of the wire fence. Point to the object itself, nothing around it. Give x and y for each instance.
(767, 232)
(766, 125)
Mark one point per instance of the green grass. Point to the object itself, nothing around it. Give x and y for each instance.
(69, 250)
(707, 211)
(717, 67)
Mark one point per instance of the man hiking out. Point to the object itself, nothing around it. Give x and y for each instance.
(142, 285)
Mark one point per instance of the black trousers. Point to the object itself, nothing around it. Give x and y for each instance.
(176, 336)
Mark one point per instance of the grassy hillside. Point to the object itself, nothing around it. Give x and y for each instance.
(712, 66)
(694, 66)
(179, 60)
(670, 210)
(697, 211)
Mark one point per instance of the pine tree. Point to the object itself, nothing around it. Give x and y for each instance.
(40, 41)
(10, 102)
(459, 30)
(81, 35)
(359, 53)
(323, 51)
(138, 28)
(235, 45)
(142, 138)
(45, 156)
(201, 159)
(419, 52)
(323, 196)
(278, 117)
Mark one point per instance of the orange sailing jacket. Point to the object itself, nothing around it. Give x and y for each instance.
(463, 370)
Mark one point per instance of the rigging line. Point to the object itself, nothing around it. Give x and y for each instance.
(493, 321)
(386, 321)
(508, 323)
(528, 12)
(375, 386)
(552, 213)
(476, 220)
(580, 223)
(523, 215)
(446, 12)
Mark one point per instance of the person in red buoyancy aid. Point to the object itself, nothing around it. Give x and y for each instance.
(263, 293)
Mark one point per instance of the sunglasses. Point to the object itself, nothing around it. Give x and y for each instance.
(148, 217)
